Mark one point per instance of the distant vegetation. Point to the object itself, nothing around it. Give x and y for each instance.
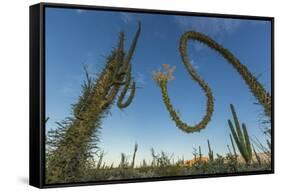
(163, 164)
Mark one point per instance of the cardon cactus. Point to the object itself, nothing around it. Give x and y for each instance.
(241, 138)
(211, 152)
(258, 158)
(233, 147)
(72, 145)
(134, 155)
(200, 154)
(162, 78)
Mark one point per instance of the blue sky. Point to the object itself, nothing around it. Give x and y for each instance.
(84, 37)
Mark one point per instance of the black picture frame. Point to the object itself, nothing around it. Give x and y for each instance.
(37, 93)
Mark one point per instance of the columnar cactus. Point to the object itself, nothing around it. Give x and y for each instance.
(200, 154)
(162, 78)
(73, 144)
(258, 158)
(241, 138)
(134, 155)
(233, 146)
(211, 152)
(100, 160)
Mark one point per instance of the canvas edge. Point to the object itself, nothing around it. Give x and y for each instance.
(38, 89)
(36, 138)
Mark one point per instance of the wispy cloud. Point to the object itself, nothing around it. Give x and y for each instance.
(140, 79)
(69, 89)
(80, 11)
(209, 26)
(126, 17)
(159, 34)
(194, 64)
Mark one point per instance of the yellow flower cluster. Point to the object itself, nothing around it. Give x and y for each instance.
(165, 75)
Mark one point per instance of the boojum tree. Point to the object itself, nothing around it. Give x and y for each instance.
(162, 78)
(71, 145)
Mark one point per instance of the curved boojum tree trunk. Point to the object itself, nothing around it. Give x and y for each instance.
(258, 91)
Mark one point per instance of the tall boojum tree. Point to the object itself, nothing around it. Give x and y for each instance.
(72, 144)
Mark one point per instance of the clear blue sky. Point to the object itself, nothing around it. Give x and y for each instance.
(78, 37)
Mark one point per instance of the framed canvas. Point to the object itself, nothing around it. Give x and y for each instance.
(122, 95)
